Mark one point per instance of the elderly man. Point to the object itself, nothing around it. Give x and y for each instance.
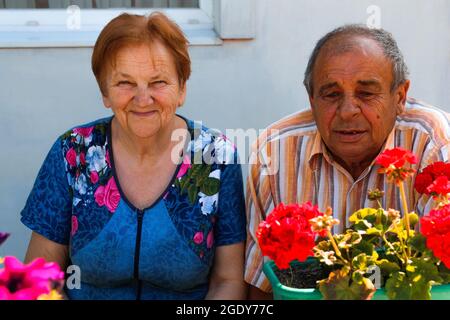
(357, 83)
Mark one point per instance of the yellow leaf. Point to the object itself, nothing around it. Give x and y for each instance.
(52, 295)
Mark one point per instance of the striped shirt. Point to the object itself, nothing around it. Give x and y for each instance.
(290, 164)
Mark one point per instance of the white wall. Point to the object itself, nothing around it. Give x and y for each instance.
(241, 84)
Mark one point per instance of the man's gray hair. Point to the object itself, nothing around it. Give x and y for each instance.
(382, 37)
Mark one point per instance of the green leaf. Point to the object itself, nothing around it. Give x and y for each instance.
(418, 243)
(425, 268)
(373, 231)
(362, 247)
(192, 193)
(339, 286)
(348, 240)
(184, 183)
(416, 284)
(363, 214)
(210, 186)
(195, 171)
(387, 267)
(398, 287)
(362, 262)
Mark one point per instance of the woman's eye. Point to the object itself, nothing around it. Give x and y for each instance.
(124, 83)
(159, 83)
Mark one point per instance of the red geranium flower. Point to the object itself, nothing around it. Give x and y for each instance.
(436, 229)
(286, 234)
(440, 186)
(423, 180)
(430, 174)
(392, 163)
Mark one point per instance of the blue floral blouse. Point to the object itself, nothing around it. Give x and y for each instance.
(163, 252)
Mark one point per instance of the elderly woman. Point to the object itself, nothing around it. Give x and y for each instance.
(148, 204)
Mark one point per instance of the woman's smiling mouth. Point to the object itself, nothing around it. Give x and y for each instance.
(143, 114)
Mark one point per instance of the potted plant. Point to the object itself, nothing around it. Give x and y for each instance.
(37, 280)
(383, 255)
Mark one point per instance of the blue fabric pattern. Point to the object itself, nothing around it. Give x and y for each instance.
(77, 201)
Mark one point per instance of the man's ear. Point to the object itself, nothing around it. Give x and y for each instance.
(401, 95)
(311, 101)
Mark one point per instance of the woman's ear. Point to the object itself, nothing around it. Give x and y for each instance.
(182, 96)
(106, 102)
(401, 95)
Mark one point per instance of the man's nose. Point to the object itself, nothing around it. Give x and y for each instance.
(143, 96)
(349, 108)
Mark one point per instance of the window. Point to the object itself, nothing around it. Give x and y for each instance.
(77, 23)
(97, 4)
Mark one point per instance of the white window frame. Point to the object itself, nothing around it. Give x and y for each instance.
(40, 28)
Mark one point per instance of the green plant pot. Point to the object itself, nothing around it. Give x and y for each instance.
(282, 292)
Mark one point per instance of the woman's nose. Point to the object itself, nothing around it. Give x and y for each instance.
(143, 97)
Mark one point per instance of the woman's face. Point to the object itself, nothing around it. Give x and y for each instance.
(143, 89)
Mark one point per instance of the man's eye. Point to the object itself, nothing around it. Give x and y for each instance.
(332, 95)
(365, 94)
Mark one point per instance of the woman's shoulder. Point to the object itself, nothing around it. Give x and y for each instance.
(212, 143)
(87, 131)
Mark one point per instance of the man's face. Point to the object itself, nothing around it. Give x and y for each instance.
(352, 101)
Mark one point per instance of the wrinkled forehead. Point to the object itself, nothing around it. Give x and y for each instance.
(353, 60)
(144, 57)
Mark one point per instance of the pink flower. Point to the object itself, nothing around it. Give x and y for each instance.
(82, 158)
(28, 282)
(108, 161)
(185, 166)
(71, 157)
(94, 177)
(99, 196)
(210, 240)
(198, 237)
(108, 195)
(74, 225)
(84, 132)
(112, 195)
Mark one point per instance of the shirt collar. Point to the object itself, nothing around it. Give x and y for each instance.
(319, 148)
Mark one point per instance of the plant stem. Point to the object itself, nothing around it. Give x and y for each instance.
(379, 204)
(405, 208)
(392, 248)
(291, 282)
(336, 249)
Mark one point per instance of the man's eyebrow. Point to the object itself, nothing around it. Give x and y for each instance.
(327, 86)
(370, 83)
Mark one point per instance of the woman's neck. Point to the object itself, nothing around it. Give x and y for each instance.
(145, 150)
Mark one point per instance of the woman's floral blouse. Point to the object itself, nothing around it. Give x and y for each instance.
(163, 252)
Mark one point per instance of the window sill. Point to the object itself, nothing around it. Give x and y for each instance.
(86, 39)
(44, 29)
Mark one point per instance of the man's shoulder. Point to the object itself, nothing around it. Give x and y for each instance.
(299, 123)
(425, 119)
